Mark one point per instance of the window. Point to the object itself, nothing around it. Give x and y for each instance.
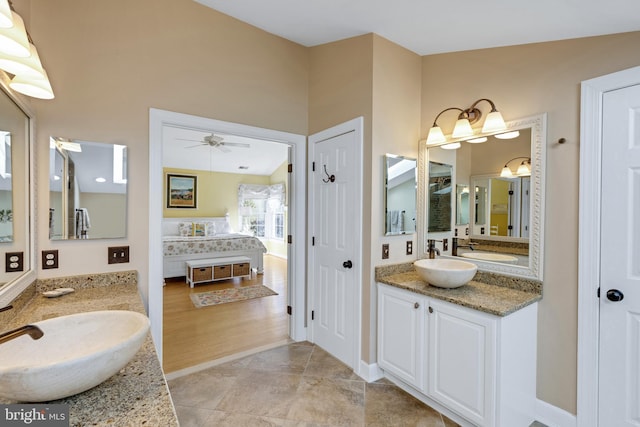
(261, 210)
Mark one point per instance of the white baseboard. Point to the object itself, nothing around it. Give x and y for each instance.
(552, 416)
(370, 372)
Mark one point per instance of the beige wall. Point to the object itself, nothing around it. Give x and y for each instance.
(523, 81)
(109, 62)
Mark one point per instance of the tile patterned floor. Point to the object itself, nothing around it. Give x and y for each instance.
(294, 385)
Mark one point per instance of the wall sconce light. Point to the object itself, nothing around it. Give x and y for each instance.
(19, 56)
(462, 129)
(524, 169)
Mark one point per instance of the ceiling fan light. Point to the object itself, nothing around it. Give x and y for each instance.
(506, 172)
(14, 40)
(6, 20)
(28, 67)
(33, 86)
(494, 123)
(435, 136)
(508, 135)
(462, 129)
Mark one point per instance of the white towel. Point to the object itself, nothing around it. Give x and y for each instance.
(83, 224)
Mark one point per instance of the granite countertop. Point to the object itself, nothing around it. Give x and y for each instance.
(138, 394)
(490, 293)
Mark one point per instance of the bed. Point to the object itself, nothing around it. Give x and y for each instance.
(187, 239)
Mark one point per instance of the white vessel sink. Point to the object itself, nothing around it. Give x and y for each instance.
(445, 273)
(487, 256)
(76, 353)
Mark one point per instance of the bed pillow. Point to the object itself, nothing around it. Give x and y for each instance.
(199, 228)
(184, 229)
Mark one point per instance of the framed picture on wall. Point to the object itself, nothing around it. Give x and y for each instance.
(182, 191)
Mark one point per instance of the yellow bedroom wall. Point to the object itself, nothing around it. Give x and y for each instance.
(217, 194)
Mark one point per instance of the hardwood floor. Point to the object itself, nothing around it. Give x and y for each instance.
(193, 336)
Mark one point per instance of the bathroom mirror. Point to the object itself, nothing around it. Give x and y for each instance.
(87, 190)
(517, 229)
(16, 241)
(440, 182)
(400, 181)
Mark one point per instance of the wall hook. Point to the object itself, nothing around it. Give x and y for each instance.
(330, 178)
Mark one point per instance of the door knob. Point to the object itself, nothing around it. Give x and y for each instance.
(347, 264)
(614, 295)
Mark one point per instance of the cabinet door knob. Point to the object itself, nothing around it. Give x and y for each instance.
(416, 305)
(430, 309)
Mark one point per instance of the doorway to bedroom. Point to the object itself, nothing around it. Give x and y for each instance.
(228, 202)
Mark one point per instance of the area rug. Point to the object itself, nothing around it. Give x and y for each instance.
(223, 296)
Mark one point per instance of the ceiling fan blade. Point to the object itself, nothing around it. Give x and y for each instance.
(192, 140)
(197, 145)
(222, 148)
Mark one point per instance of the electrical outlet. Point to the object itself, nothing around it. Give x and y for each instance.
(409, 247)
(49, 259)
(385, 251)
(118, 254)
(14, 261)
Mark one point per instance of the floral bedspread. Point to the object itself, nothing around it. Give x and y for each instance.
(175, 245)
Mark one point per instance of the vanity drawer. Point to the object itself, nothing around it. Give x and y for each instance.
(202, 274)
(221, 271)
(241, 269)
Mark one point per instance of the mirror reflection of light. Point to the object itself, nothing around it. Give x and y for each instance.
(56, 178)
(119, 164)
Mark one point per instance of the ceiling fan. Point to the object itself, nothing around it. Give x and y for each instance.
(217, 142)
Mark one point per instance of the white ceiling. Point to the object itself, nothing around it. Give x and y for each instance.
(428, 27)
(182, 148)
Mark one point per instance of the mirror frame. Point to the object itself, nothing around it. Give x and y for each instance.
(12, 289)
(538, 125)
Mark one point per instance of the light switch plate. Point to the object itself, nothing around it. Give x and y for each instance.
(118, 254)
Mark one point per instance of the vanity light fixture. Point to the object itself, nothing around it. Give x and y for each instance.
(6, 20)
(524, 169)
(493, 123)
(19, 57)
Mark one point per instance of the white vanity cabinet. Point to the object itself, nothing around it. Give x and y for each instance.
(479, 366)
(401, 328)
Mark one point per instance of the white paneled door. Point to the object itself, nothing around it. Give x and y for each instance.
(619, 358)
(335, 234)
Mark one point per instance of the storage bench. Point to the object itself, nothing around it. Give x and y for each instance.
(209, 270)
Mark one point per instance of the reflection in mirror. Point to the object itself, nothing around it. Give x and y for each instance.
(6, 196)
(400, 177)
(501, 206)
(439, 197)
(462, 204)
(15, 196)
(503, 216)
(87, 190)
